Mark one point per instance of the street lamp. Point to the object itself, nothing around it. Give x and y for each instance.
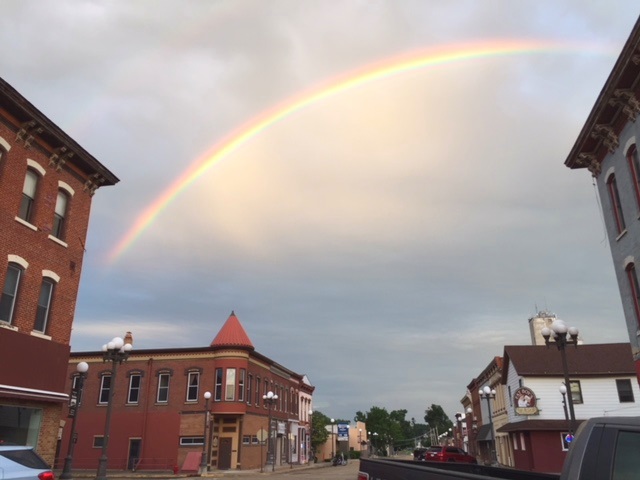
(360, 438)
(270, 398)
(203, 460)
(333, 442)
(488, 394)
(459, 417)
(116, 352)
(74, 406)
(559, 331)
(310, 453)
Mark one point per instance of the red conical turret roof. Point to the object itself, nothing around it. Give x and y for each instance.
(232, 334)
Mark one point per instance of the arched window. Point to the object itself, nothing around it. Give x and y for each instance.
(43, 311)
(634, 286)
(28, 196)
(60, 214)
(10, 292)
(634, 169)
(614, 196)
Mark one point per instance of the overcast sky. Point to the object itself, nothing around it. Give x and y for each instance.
(386, 239)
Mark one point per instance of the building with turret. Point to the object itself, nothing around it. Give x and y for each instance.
(161, 418)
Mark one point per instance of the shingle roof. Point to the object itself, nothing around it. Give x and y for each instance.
(232, 334)
(584, 360)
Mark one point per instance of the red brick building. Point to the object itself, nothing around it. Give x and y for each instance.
(158, 407)
(47, 182)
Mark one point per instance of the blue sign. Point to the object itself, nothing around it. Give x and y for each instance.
(343, 432)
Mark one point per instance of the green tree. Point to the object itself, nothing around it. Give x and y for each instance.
(319, 433)
(437, 419)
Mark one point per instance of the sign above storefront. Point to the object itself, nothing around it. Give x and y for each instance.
(525, 402)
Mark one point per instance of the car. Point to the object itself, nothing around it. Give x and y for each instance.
(418, 453)
(443, 453)
(18, 462)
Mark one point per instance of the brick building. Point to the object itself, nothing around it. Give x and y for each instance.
(158, 407)
(47, 182)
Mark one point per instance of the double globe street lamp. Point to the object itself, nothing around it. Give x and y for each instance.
(74, 407)
(561, 335)
(488, 394)
(270, 399)
(116, 352)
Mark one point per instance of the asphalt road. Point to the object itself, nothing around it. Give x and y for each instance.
(346, 472)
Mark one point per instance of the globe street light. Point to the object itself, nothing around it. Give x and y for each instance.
(74, 406)
(116, 352)
(270, 398)
(563, 392)
(559, 332)
(459, 416)
(310, 446)
(488, 394)
(333, 442)
(203, 460)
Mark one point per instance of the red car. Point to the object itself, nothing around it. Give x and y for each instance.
(441, 453)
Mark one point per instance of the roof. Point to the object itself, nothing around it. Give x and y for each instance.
(36, 123)
(584, 360)
(615, 106)
(232, 334)
(528, 425)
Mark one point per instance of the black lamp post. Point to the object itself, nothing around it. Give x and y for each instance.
(563, 392)
(310, 453)
(74, 406)
(333, 442)
(116, 352)
(559, 331)
(488, 394)
(271, 398)
(459, 439)
(203, 460)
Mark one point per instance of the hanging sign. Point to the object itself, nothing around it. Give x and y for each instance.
(525, 402)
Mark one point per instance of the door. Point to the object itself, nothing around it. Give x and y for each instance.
(134, 453)
(224, 453)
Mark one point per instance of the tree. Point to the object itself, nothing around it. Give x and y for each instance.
(319, 433)
(437, 419)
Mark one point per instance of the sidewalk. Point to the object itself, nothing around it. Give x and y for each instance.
(155, 474)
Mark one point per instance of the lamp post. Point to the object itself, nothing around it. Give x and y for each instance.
(270, 398)
(360, 438)
(116, 352)
(488, 394)
(203, 460)
(559, 331)
(563, 392)
(459, 439)
(74, 406)
(333, 442)
(310, 447)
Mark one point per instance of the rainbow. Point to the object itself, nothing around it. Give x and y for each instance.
(378, 71)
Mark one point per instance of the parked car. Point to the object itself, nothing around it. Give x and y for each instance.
(418, 453)
(442, 453)
(18, 462)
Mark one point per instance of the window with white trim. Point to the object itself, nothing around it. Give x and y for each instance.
(230, 385)
(60, 214)
(105, 386)
(249, 382)
(625, 391)
(29, 190)
(191, 441)
(10, 292)
(241, 383)
(634, 285)
(576, 392)
(134, 388)
(163, 388)
(217, 397)
(634, 169)
(44, 305)
(193, 383)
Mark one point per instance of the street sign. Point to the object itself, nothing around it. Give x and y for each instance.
(343, 432)
(262, 434)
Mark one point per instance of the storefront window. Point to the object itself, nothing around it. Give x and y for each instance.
(20, 425)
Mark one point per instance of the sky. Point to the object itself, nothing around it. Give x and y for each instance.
(377, 188)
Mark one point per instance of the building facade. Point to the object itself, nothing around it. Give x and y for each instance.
(608, 147)
(602, 382)
(160, 418)
(47, 182)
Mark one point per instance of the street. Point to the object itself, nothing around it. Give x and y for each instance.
(347, 472)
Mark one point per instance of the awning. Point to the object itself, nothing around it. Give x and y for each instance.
(484, 433)
(32, 394)
(539, 425)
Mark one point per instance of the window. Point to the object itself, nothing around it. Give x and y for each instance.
(134, 388)
(28, 196)
(218, 390)
(576, 391)
(192, 386)
(627, 461)
(264, 393)
(522, 444)
(60, 214)
(615, 203)
(98, 442)
(632, 275)
(191, 441)
(625, 393)
(230, 387)
(249, 382)
(44, 304)
(10, 292)
(257, 389)
(105, 386)
(565, 443)
(163, 388)
(514, 438)
(634, 169)
(243, 373)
